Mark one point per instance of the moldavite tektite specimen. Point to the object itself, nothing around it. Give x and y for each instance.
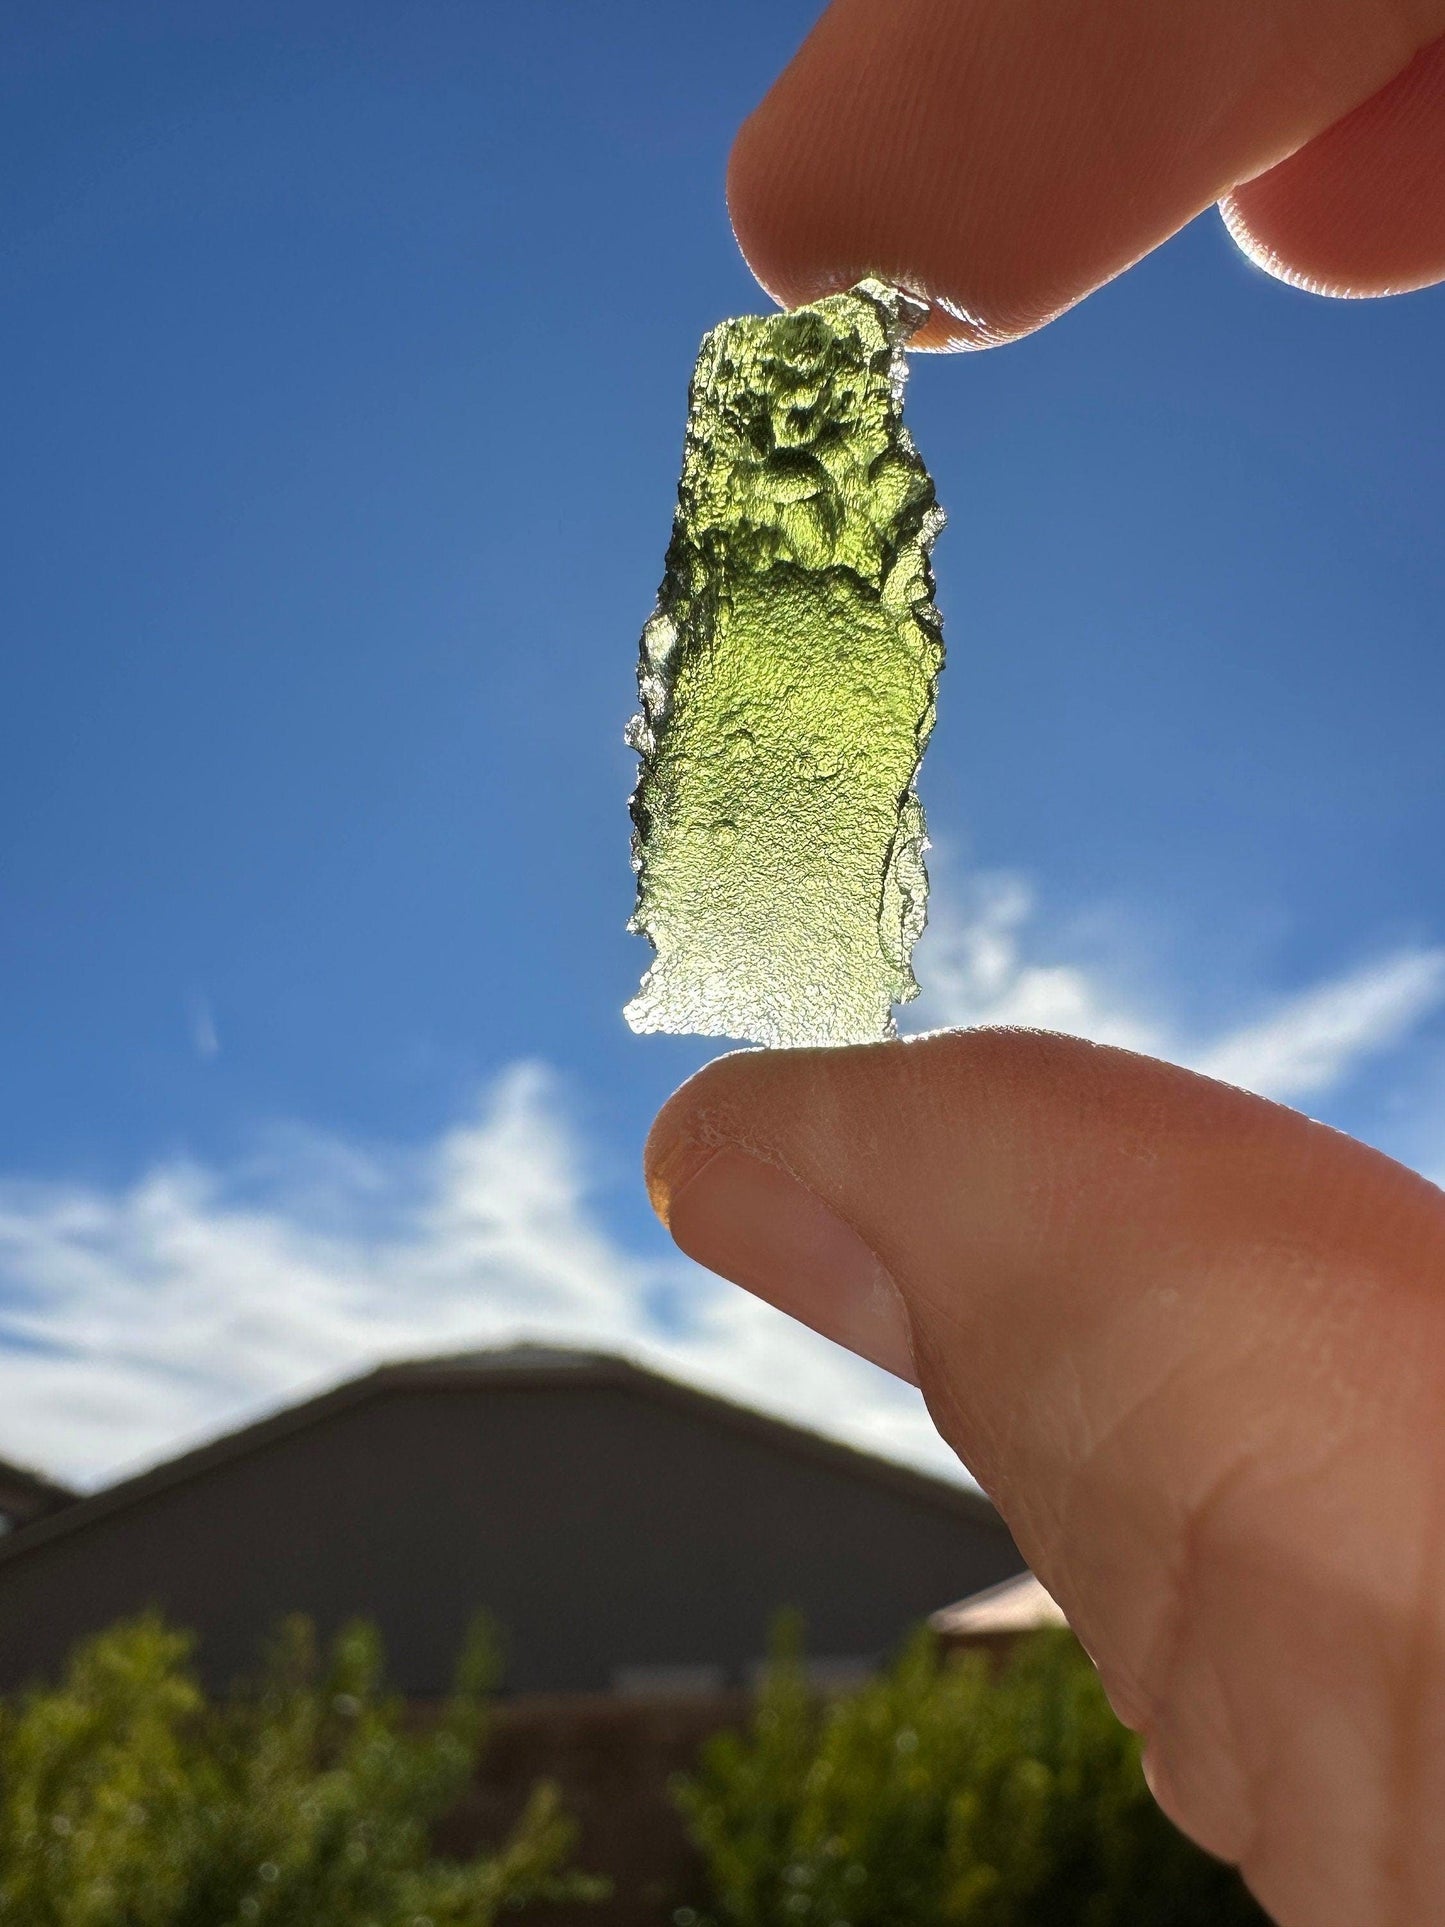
(787, 678)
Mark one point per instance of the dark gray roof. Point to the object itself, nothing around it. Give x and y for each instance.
(30, 1494)
(542, 1367)
(499, 1359)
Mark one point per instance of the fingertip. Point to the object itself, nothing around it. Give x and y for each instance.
(1259, 252)
(670, 1168)
(698, 1119)
(747, 195)
(1001, 172)
(1360, 210)
(672, 1156)
(840, 175)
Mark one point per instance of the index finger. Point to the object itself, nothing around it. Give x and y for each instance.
(1005, 157)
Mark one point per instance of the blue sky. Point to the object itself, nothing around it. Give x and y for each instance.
(346, 350)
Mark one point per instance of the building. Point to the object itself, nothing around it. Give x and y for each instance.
(27, 1495)
(998, 1618)
(628, 1534)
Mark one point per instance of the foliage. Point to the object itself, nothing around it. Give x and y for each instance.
(944, 1792)
(129, 1799)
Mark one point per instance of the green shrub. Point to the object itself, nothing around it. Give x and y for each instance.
(129, 1799)
(943, 1792)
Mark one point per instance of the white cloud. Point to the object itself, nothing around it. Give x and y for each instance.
(978, 971)
(975, 971)
(1311, 1042)
(137, 1319)
(205, 1039)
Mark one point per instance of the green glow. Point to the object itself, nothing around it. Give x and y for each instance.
(787, 681)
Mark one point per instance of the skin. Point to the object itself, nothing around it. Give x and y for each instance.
(1192, 1343)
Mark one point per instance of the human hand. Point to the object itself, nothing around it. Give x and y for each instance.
(1005, 157)
(1192, 1343)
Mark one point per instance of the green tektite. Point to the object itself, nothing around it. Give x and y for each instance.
(787, 680)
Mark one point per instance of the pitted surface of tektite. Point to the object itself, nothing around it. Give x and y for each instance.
(787, 680)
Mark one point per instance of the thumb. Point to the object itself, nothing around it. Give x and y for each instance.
(1193, 1345)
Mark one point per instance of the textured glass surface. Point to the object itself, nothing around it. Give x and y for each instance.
(787, 681)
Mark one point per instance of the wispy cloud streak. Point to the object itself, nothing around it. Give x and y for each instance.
(1311, 1042)
(1298, 1046)
(205, 1039)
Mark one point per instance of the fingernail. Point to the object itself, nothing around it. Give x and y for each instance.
(760, 1227)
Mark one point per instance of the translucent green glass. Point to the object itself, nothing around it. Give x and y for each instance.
(787, 680)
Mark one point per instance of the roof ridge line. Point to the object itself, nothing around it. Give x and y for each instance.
(602, 1367)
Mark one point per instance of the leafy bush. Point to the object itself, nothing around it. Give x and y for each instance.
(128, 1799)
(944, 1792)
